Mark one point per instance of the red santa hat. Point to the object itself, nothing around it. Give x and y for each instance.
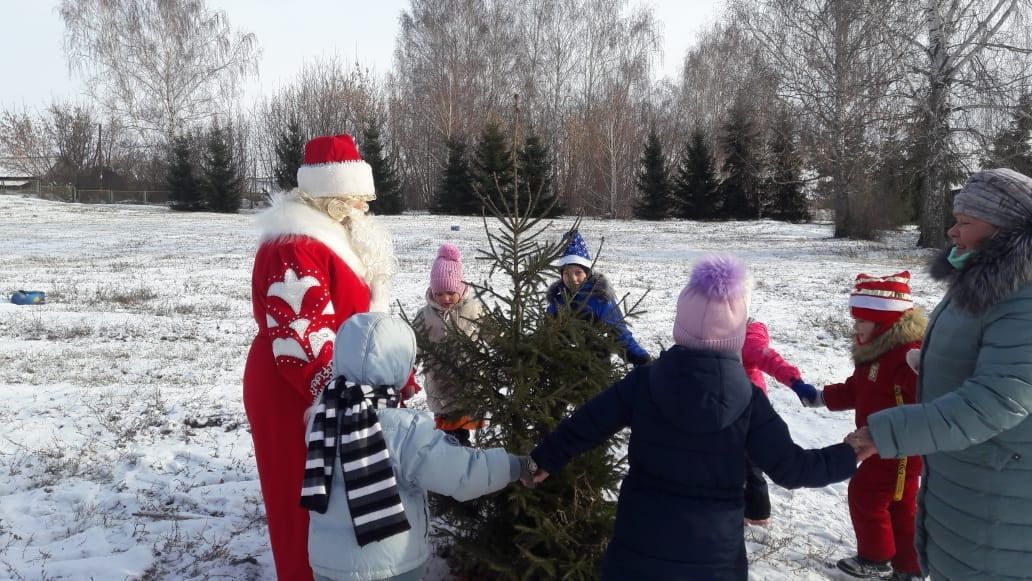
(333, 168)
(882, 299)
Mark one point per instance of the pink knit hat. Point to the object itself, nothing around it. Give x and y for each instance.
(713, 308)
(446, 274)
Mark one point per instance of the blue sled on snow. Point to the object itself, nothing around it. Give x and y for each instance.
(29, 297)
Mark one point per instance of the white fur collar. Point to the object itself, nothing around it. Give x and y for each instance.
(287, 217)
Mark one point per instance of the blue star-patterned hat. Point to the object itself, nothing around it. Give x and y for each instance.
(576, 252)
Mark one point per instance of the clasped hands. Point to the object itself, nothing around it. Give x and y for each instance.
(862, 444)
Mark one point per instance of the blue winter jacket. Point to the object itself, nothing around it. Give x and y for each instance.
(595, 301)
(694, 416)
(376, 349)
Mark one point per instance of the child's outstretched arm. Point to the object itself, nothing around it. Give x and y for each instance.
(758, 353)
(770, 447)
(432, 460)
(592, 424)
(840, 396)
(613, 317)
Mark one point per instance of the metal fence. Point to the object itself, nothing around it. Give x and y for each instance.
(147, 197)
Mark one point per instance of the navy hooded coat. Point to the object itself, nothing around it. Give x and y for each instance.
(694, 416)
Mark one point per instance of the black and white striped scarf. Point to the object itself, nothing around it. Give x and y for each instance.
(373, 499)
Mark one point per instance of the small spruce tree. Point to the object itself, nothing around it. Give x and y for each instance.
(385, 176)
(656, 202)
(536, 176)
(290, 149)
(785, 191)
(696, 188)
(222, 181)
(184, 189)
(524, 371)
(455, 193)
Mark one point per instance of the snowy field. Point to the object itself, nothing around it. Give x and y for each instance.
(124, 450)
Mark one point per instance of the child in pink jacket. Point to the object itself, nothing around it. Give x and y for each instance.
(759, 358)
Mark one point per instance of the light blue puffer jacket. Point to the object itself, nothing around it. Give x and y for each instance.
(974, 514)
(376, 349)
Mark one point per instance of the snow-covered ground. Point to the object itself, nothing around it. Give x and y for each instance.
(124, 451)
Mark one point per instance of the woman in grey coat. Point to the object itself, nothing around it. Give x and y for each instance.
(974, 518)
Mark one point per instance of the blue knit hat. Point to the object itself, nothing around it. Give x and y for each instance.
(576, 251)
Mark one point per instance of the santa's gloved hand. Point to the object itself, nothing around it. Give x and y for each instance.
(808, 394)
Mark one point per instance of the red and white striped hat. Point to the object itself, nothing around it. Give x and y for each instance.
(333, 168)
(882, 299)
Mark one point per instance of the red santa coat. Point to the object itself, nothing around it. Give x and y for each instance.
(306, 281)
(882, 494)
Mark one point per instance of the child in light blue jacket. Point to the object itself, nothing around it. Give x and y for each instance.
(370, 464)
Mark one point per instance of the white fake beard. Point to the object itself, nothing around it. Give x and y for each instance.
(373, 245)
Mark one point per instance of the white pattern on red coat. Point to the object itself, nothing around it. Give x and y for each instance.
(313, 280)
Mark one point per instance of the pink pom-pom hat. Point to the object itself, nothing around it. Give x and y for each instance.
(713, 308)
(446, 274)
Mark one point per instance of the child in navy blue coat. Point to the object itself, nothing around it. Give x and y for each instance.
(591, 298)
(694, 418)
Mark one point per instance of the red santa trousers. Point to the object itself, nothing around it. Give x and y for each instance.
(279, 451)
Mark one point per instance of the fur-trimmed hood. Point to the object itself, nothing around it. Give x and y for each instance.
(596, 285)
(909, 328)
(288, 218)
(999, 269)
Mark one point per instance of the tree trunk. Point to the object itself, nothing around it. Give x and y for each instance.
(839, 175)
(937, 134)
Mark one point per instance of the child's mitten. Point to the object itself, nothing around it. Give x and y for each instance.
(808, 394)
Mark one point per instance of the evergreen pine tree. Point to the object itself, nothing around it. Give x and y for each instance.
(653, 184)
(492, 165)
(740, 187)
(290, 149)
(385, 176)
(788, 201)
(455, 193)
(696, 185)
(184, 189)
(523, 369)
(1011, 148)
(536, 178)
(222, 181)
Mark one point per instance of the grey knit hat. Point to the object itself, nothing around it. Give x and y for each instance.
(1001, 197)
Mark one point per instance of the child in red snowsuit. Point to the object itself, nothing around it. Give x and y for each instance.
(882, 494)
(759, 358)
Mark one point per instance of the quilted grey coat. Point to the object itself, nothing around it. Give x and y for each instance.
(974, 518)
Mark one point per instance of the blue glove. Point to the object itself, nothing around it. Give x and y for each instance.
(807, 393)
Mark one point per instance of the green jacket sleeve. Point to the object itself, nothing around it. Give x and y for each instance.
(997, 397)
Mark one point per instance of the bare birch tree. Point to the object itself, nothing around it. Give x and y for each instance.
(161, 65)
(839, 69)
(955, 58)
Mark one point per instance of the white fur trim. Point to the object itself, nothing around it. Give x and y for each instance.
(880, 303)
(348, 178)
(573, 259)
(288, 217)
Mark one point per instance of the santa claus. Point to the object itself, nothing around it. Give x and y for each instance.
(321, 259)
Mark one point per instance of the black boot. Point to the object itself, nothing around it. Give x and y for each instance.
(860, 567)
